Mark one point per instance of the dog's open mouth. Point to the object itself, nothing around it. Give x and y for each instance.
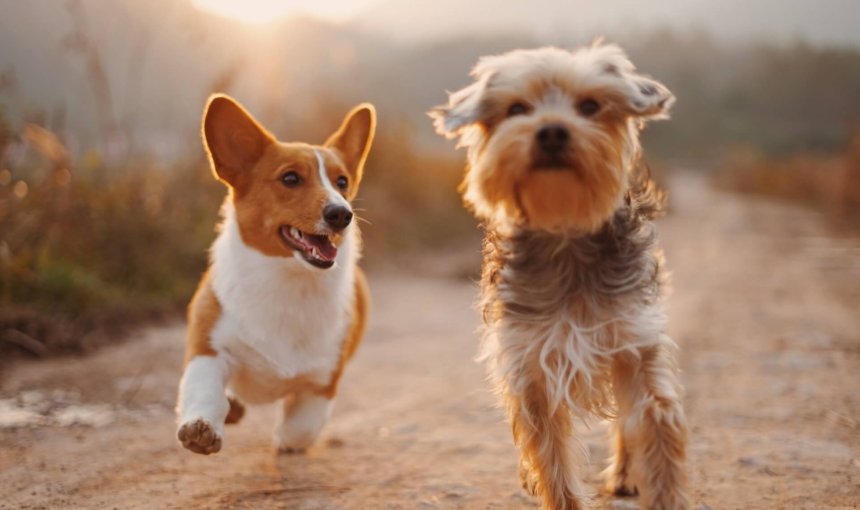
(318, 250)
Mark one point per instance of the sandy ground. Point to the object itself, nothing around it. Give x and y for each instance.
(766, 309)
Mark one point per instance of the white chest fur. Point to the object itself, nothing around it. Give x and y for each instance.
(281, 315)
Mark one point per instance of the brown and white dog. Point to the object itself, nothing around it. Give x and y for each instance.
(283, 305)
(572, 272)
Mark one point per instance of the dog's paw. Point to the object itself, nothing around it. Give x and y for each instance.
(292, 442)
(199, 437)
(289, 450)
(622, 490)
(620, 486)
(528, 480)
(296, 436)
(618, 482)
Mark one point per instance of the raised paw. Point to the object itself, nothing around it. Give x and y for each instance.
(199, 437)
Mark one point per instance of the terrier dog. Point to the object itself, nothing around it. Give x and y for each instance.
(283, 305)
(572, 272)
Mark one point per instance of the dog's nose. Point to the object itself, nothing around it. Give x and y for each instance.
(553, 137)
(337, 217)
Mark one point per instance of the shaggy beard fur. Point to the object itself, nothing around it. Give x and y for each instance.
(572, 274)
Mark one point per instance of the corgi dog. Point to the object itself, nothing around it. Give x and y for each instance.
(283, 305)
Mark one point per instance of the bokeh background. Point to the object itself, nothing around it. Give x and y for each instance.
(107, 209)
(107, 206)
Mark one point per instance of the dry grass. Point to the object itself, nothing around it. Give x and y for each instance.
(830, 183)
(410, 198)
(88, 248)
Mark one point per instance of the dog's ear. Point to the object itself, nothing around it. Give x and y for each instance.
(647, 98)
(466, 106)
(463, 109)
(640, 95)
(353, 139)
(233, 139)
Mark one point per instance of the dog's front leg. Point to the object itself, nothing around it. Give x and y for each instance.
(618, 474)
(655, 428)
(544, 437)
(300, 420)
(203, 404)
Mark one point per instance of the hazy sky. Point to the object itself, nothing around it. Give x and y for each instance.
(818, 21)
(261, 11)
(162, 57)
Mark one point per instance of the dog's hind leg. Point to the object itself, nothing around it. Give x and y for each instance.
(544, 437)
(654, 428)
(237, 409)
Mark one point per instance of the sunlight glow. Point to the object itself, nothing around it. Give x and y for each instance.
(259, 12)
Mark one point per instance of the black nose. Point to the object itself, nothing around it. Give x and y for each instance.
(553, 137)
(337, 216)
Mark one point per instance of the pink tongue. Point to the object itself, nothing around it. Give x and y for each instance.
(324, 247)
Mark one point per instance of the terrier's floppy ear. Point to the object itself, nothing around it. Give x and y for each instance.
(647, 98)
(463, 109)
(233, 139)
(465, 106)
(640, 95)
(353, 139)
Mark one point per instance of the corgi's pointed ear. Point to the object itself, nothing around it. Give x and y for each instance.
(233, 139)
(353, 139)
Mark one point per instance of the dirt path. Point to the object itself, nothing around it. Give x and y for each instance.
(766, 309)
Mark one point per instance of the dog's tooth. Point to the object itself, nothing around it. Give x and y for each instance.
(295, 233)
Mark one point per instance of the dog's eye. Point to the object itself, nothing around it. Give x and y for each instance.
(291, 179)
(588, 107)
(342, 182)
(518, 109)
